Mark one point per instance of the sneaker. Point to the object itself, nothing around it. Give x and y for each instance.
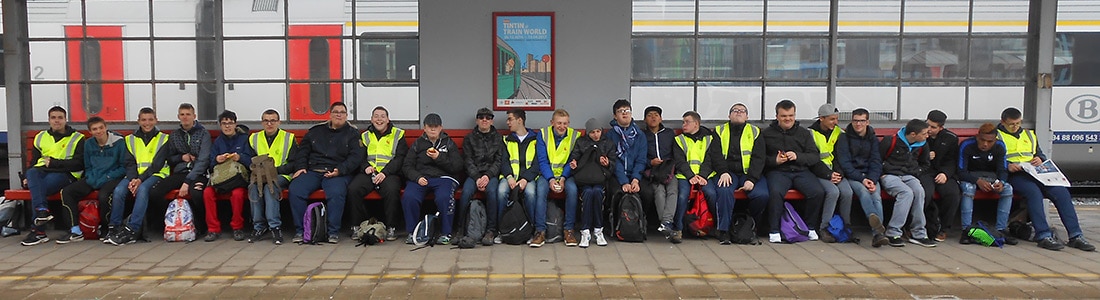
(570, 239)
(600, 239)
(825, 236)
(812, 234)
(111, 231)
(724, 237)
(876, 224)
(896, 241)
(775, 238)
(487, 240)
(965, 239)
(355, 233)
(257, 235)
(391, 234)
(879, 240)
(212, 236)
(497, 240)
(69, 238)
(239, 235)
(443, 240)
(298, 238)
(665, 227)
(585, 238)
(277, 235)
(676, 237)
(41, 217)
(35, 238)
(926, 242)
(124, 236)
(1011, 240)
(538, 239)
(1051, 243)
(942, 236)
(1080, 243)
(333, 238)
(410, 240)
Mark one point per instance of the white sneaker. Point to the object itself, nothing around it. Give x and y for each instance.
(812, 234)
(600, 239)
(775, 238)
(497, 240)
(585, 238)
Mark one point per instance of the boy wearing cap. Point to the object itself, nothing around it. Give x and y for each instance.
(660, 188)
(941, 177)
(431, 165)
(328, 156)
(555, 145)
(483, 151)
(837, 191)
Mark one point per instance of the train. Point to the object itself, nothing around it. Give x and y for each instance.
(298, 56)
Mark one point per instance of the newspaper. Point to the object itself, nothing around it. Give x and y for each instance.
(1047, 173)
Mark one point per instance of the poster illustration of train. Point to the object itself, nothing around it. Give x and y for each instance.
(523, 60)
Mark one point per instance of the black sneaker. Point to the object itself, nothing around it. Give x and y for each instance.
(41, 217)
(212, 236)
(724, 237)
(277, 235)
(896, 241)
(35, 238)
(124, 236)
(487, 240)
(824, 236)
(1051, 243)
(1009, 239)
(926, 242)
(111, 231)
(69, 238)
(297, 238)
(965, 239)
(879, 240)
(1080, 243)
(239, 235)
(257, 235)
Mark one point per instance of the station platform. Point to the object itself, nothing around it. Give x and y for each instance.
(652, 270)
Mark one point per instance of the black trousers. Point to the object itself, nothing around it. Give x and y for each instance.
(943, 212)
(362, 185)
(803, 181)
(154, 216)
(73, 193)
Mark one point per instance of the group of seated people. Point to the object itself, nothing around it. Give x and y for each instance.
(830, 166)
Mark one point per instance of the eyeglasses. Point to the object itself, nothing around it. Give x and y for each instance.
(739, 111)
(228, 123)
(622, 111)
(485, 117)
(270, 121)
(860, 121)
(339, 113)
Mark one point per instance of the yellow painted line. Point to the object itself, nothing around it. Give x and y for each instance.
(936, 275)
(434, 276)
(384, 24)
(399, 276)
(471, 276)
(1084, 275)
(258, 277)
(293, 277)
(756, 276)
(189, 277)
(791, 276)
(48, 277)
(612, 276)
(360, 277)
(577, 276)
(1008, 275)
(220, 277)
(649, 276)
(329, 277)
(720, 276)
(977, 275)
(13, 277)
(115, 277)
(863, 275)
(505, 276)
(81, 277)
(541, 276)
(1046, 275)
(149, 277)
(833, 275)
(678, 276)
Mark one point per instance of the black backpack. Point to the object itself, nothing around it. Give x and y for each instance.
(515, 227)
(589, 171)
(555, 222)
(476, 220)
(743, 230)
(630, 225)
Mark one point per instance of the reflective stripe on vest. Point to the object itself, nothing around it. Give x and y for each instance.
(826, 146)
(513, 156)
(559, 154)
(279, 154)
(748, 138)
(695, 152)
(1020, 149)
(380, 150)
(144, 153)
(62, 149)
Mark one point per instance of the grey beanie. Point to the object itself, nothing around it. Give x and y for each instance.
(591, 125)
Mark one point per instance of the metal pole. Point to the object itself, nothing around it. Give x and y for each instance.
(1042, 20)
(17, 69)
(834, 43)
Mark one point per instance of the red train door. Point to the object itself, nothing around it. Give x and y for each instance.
(95, 59)
(314, 58)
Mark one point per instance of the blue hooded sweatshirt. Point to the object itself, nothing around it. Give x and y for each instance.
(104, 163)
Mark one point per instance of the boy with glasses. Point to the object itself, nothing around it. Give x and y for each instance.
(231, 145)
(326, 158)
(483, 151)
(277, 144)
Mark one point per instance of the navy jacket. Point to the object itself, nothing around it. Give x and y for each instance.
(971, 160)
(632, 161)
(327, 148)
(104, 163)
(238, 143)
(858, 156)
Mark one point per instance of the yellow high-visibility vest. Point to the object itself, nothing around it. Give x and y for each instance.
(513, 155)
(1020, 149)
(826, 146)
(695, 152)
(559, 154)
(62, 149)
(381, 149)
(144, 153)
(748, 139)
(281, 150)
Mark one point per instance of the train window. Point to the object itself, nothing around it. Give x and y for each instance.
(1000, 58)
(1075, 62)
(798, 58)
(91, 70)
(388, 59)
(662, 58)
(867, 58)
(725, 58)
(933, 58)
(318, 70)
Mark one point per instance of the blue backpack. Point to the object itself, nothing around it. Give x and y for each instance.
(842, 233)
(791, 227)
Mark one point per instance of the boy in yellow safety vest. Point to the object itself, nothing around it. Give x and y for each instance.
(57, 160)
(277, 144)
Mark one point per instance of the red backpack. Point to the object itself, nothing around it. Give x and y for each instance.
(699, 218)
(89, 218)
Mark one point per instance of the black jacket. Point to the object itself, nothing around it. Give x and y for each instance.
(660, 146)
(972, 160)
(395, 164)
(797, 139)
(605, 146)
(327, 148)
(483, 152)
(74, 164)
(858, 156)
(946, 146)
(418, 164)
(529, 173)
(904, 159)
(196, 142)
(732, 163)
(706, 166)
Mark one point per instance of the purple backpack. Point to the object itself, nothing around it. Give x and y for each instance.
(315, 223)
(791, 227)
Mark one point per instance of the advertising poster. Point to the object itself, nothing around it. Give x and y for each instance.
(523, 60)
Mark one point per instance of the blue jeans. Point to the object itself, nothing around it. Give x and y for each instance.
(444, 189)
(570, 189)
(265, 209)
(336, 191)
(141, 202)
(530, 203)
(870, 201)
(909, 200)
(724, 199)
(493, 209)
(1033, 193)
(43, 184)
(839, 193)
(682, 198)
(1004, 205)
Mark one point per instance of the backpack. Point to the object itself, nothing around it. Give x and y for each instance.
(555, 223)
(315, 224)
(229, 175)
(698, 218)
(476, 220)
(743, 230)
(11, 216)
(89, 218)
(426, 232)
(791, 227)
(630, 226)
(589, 171)
(179, 224)
(515, 227)
(984, 236)
(842, 233)
(371, 232)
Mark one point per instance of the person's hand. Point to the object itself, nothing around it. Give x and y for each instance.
(984, 185)
(333, 173)
(626, 188)
(870, 185)
(748, 186)
(188, 157)
(47, 161)
(522, 184)
(235, 156)
(573, 164)
(422, 181)
(998, 186)
(432, 153)
(634, 186)
(24, 182)
(1036, 161)
(296, 173)
(603, 161)
(134, 183)
(725, 180)
(780, 158)
(791, 156)
(835, 178)
(482, 182)
(221, 158)
(655, 161)
(378, 178)
(941, 178)
(558, 185)
(1014, 167)
(700, 180)
(369, 170)
(931, 155)
(184, 190)
(512, 183)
